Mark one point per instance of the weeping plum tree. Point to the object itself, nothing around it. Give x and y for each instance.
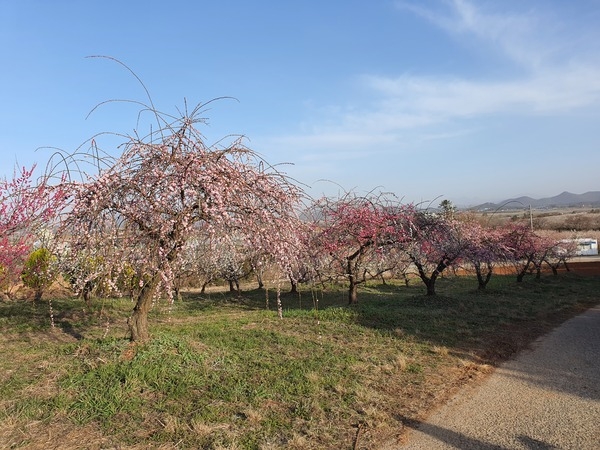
(528, 250)
(141, 210)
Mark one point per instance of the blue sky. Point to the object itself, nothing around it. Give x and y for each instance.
(467, 100)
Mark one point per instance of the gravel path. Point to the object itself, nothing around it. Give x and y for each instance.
(546, 398)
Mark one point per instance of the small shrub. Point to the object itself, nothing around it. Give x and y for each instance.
(38, 273)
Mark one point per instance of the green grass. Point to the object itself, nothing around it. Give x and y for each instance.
(223, 371)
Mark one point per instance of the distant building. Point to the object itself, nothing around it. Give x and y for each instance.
(585, 246)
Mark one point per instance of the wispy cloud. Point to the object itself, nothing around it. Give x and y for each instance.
(552, 79)
(325, 146)
(515, 34)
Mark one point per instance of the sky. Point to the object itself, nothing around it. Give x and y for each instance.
(465, 100)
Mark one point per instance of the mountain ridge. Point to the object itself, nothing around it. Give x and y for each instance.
(562, 200)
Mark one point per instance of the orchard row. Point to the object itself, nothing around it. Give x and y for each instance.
(171, 208)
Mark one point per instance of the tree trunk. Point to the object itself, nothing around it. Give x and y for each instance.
(138, 321)
(294, 288)
(352, 292)
(481, 279)
(352, 288)
(234, 286)
(177, 293)
(523, 271)
(259, 278)
(86, 293)
(352, 265)
(430, 283)
(38, 295)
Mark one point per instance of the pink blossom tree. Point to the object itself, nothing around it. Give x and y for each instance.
(232, 260)
(199, 260)
(526, 249)
(141, 210)
(400, 263)
(484, 249)
(27, 205)
(310, 261)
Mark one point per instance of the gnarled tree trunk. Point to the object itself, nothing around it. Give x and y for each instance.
(429, 281)
(138, 321)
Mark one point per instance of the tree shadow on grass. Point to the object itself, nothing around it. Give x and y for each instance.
(244, 300)
(68, 328)
(69, 315)
(24, 315)
(387, 308)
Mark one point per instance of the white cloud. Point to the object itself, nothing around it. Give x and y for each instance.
(551, 92)
(410, 103)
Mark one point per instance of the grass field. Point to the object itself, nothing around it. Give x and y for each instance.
(224, 371)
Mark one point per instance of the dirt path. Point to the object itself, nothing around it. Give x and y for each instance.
(546, 398)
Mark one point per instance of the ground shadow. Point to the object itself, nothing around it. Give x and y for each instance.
(535, 444)
(464, 442)
(566, 360)
(450, 437)
(67, 328)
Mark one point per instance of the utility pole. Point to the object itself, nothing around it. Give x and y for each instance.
(530, 217)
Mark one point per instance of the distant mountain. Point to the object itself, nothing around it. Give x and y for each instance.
(564, 200)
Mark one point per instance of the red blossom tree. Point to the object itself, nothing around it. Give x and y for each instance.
(140, 212)
(353, 230)
(436, 241)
